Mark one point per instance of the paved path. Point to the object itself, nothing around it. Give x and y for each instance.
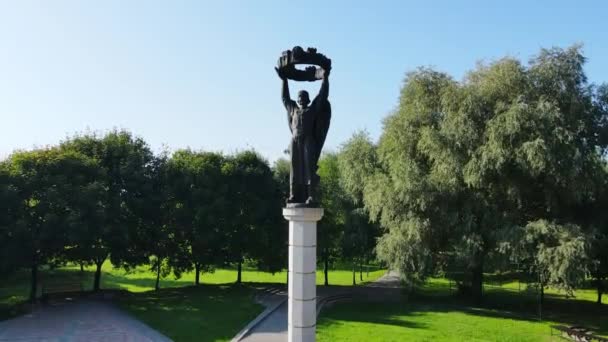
(273, 328)
(83, 320)
(390, 280)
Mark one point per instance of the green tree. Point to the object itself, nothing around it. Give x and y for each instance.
(50, 187)
(358, 162)
(542, 155)
(280, 171)
(358, 239)
(334, 203)
(197, 202)
(417, 192)
(153, 214)
(9, 210)
(461, 162)
(555, 254)
(599, 265)
(253, 209)
(598, 235)
(126, 163)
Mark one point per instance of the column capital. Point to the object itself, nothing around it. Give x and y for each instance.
(303, 214)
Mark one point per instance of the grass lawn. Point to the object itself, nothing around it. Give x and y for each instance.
(420, 322)
(435, 313)
(442, 286)
(203, 313)
(15, 289)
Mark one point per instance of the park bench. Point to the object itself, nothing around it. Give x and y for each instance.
(576, 333)
(63, 288)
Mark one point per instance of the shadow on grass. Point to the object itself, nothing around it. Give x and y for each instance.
(508, 304)
(375, 313)
(505, 303)
(194, 313)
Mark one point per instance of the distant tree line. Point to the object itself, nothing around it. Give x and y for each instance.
(97, 197)
(504, 171)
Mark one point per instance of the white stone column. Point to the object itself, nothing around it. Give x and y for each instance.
(302, 310)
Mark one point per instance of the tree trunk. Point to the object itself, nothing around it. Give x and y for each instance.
(197, 269)
(477, 281)
(238, 275)
(156, 286)
(97, 275)
(354, 273)
(542, 294)
(81, 268)
(34, 283)
(600, 290)
(361, 269)
(326, 267)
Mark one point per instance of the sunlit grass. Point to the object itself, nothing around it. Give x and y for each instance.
(142, 279)
(435, 312)
(419, 322)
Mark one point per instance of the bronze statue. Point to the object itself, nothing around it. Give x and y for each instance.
(308, 124)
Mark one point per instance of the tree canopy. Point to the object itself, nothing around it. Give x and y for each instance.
(461, 163)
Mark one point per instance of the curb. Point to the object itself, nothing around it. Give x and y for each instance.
(332, 299)
(257, 320)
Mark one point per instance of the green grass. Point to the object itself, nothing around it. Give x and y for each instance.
(215, 311)
(419, 322)
(443, 286)
(203, 313)
(15, 289)
(218, 309)
(435, 313)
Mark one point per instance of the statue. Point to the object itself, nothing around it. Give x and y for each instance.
(308, 122)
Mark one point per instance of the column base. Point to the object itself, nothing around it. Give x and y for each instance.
(301, 334)
(302, 302)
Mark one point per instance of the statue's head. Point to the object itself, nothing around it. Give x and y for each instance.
(303, 99)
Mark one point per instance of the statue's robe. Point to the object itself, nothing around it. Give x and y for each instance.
(309, 128)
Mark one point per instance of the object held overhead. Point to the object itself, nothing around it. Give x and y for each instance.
(317, 62)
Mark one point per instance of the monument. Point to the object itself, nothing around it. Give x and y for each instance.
(309, 123)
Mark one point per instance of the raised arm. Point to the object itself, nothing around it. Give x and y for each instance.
(287, 101)
(324, 91)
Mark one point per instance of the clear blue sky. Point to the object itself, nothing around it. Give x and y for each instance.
(200, 73)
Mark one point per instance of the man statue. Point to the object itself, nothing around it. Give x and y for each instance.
(308, 125)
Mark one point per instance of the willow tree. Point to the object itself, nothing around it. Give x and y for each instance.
(460, 163)
(333, 201)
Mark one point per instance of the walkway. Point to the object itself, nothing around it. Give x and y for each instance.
(388, 280)
(273, 328)
(83, 320)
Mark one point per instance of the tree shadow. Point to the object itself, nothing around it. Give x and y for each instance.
(499, 303)
(194, 313)
(524, 307)
(373, 312)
